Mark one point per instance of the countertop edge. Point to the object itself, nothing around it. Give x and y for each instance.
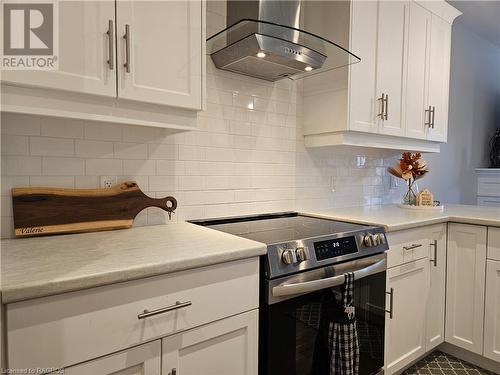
(25, 292)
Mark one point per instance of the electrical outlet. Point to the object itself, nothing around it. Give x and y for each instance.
(108, 181)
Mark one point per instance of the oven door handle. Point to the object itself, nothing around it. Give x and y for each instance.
(287, 289)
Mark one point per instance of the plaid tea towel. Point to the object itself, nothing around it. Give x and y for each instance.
(337, 347)
(343, 336)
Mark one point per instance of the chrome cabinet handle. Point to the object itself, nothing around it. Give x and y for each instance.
(111, 38)
(412, 246)
(433, 116)
(429, 112)
(391, 303)
(127, 48)
(385, 102)
(178, 305)
(435, 260)
(386, 107)
(173, 371)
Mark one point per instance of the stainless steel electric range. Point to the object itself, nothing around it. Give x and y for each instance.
(307, 258)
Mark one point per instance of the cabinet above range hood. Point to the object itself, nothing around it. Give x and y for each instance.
(265, 40)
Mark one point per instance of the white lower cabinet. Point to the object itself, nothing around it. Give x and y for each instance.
(492, 311)
(202, 314)
(141, 360)
(405, 338)
(434, 327)
(417, 280)
(225, 347)
(466, 263)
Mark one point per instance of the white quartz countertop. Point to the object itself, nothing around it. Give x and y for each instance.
(43, 266)
(395, 218)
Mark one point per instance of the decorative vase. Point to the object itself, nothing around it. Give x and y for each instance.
(410, 197)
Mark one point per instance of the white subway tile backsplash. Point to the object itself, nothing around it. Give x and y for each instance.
(52, 181)
(139, 167)
(15, 145)
(94, 149)
(20, 124)
(103, 131)
(99, 167)
(131, 150)
(21, 165)
(247, 155)
(62, 127)
(44, 146)
(54, 166)
(161, 151)
(162, 183)
(9, 182)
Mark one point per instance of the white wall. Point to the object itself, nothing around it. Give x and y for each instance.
(474, 94)
(239, 161)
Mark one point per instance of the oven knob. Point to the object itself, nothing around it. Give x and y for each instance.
(368, 240)
(380, 239)
(301, 254)
(287, 257)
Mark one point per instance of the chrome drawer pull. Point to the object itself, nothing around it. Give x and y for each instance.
(412, 246)
(111, 39)
(391, 303)
(435, 260)
(178, 305)
(127, 48)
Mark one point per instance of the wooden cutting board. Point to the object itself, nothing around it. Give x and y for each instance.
(42, 211)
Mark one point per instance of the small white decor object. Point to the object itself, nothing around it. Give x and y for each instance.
(425, 198)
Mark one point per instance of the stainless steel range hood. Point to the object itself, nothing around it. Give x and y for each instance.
(264, 40)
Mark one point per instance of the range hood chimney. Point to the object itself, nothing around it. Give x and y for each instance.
(264, 40)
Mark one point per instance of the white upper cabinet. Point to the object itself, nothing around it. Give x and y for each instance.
(86, 51)
(390, 54)
(416, 115)
(439, 78)
(160, 52)
(397, 96)
(153, 77)
(362, 76)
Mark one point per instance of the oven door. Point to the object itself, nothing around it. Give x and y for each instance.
(291, 317)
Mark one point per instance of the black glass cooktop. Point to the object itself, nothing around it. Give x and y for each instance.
(277, 228)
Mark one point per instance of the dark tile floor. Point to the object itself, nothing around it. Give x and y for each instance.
(443, 364)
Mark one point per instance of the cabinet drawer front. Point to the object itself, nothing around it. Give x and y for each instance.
(488, 201)
(408, 245)
(493, 243)
(140, 360)
(488, 186)
(62, 330)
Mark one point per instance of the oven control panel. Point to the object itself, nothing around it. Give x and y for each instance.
(334, 248)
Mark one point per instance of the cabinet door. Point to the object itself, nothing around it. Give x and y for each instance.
(226, 347)
(439, 77)
(492, 313)
(163, 52)
(84, 51)
(390, 67)
(405, 337)
(436, 300)
(465, 281)
(362, 96)
(416, 115)
(141, 360)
